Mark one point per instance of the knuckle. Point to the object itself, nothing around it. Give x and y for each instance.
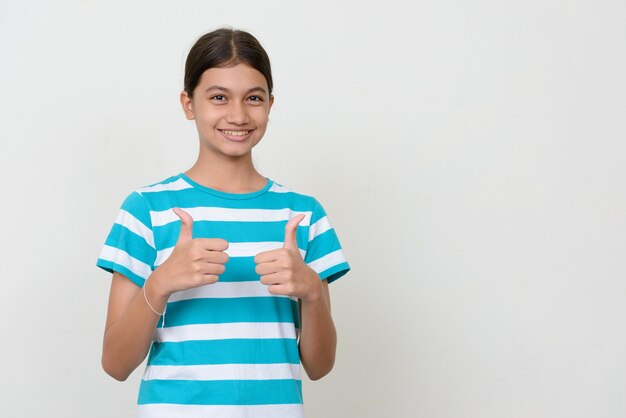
(194, 255)
(215, 268)
(197, 279)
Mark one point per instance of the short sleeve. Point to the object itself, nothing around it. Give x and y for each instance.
(129, 248)
(324, 253)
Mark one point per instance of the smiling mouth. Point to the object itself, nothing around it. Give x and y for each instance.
(235, 133)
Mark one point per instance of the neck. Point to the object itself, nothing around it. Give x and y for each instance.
(228, 174)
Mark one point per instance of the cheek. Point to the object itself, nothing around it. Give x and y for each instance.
(207, 120)
(260, 114)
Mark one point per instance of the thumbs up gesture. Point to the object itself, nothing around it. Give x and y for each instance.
(285, 271)
(193, 262)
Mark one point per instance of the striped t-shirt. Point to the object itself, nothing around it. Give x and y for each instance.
(227, 349)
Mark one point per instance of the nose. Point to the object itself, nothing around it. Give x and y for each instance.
(237, 113)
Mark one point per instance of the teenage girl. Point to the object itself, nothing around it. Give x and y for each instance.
(220, 275)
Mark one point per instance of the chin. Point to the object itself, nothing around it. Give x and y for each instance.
(239, 153)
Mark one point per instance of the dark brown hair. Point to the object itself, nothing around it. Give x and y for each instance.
(225, 47)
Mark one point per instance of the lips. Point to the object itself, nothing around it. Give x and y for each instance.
(236, 134)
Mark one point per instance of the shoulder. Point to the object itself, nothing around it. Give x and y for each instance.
(298, 197)
(158, 195)
(144, 199)
(170, 183)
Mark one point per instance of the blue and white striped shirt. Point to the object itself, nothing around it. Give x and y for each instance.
(227, 349)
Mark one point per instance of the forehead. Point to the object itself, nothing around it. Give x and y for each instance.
(238, 78)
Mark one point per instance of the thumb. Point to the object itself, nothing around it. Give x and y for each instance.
(186, 226)
(290, 232)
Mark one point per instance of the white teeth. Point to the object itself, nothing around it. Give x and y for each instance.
(236, 133)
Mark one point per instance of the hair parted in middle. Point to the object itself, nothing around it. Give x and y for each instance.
(225, 47)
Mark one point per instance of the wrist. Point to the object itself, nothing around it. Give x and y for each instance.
(155, 288)
(315, 290)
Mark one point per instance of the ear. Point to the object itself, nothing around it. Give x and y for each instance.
(271, 100)
(187, 105)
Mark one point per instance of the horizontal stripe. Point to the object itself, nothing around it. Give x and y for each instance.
(130, 222)
(223, 310)
(166, 236)
(162, 410)
(224, 372)
(135, 204)
(235, 249)
(325, 242)
(278, 188)
(136, 246)
(111, 267)
(189, 198)
(333, 273)
(221, 392)
(122, 258)
(318, 211)
(225, 290)
(239, 351)
(322, 225)
(226, 331)
(327, 261)
(239, 269)
(178, 184)
(206, 213)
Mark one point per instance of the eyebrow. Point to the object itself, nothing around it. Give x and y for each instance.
(216, 87)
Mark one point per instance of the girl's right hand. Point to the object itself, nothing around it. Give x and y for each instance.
(193, 262)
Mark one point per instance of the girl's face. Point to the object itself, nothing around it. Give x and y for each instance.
(231, 107)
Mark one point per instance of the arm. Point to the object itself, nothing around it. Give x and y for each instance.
(286, 273)
(318, 337)
(131, 322)
(129, 326)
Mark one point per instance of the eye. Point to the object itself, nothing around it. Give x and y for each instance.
(217, 97)
(258, 98)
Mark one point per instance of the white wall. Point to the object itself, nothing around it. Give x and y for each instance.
(470, 155)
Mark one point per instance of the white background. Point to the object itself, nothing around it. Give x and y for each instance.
(469, 154)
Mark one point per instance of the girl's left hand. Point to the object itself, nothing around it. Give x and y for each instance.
(285, 271)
